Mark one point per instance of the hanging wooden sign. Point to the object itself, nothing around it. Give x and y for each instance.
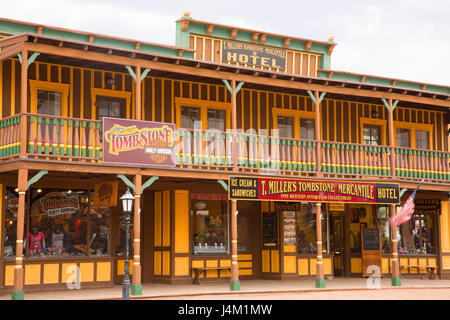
(105, 194)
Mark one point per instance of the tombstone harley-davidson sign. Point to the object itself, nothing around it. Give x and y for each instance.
(138, 142)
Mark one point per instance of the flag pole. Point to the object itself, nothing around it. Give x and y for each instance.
(395, 267)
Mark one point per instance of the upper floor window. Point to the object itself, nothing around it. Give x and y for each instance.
(403, 138)
(216, 119)
(285, 127)
(110, 107)
(307, 130)
(190, 118)
(49, 102)
(422, 139)
(371, 135)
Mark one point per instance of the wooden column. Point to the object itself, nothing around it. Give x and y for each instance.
(23, 103)
(17, 293)
(395, 268)
(136, 286)
(320, 279)
(235, 284)
(234, 123)
(317, 135)
(138, 105)
(391, 137)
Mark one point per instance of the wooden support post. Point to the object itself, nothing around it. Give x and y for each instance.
(17, 293)
(138, 105)
(136, 286)
(23, 104)
(234, 284)
(391, 138)
(234, 123)
(320, 279)
(395, 266)
(317, 134)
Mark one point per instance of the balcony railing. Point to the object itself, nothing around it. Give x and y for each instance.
(79, 140)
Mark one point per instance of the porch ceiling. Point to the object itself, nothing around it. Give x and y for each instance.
(92, 55)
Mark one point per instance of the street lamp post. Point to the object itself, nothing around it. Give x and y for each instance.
(127, 203)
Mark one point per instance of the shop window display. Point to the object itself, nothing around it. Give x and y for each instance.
(122, 236)
(10, 222)
(416, 235)
(305, 223)
(99, 229)
(360, 216)
(210, 223)
(385, 231)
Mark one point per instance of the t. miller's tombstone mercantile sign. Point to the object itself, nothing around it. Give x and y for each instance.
(138, 142)
(280, 189)
(247, 53)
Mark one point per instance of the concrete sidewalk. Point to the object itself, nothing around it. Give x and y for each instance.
(157, 290)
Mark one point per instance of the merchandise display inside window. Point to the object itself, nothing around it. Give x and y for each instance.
(99, 230)
(383, 225)
(306, 229)
(416, 235)
(10, 229)
(209, 212)
(58, 223)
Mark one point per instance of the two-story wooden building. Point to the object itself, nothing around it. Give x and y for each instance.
(305, 143)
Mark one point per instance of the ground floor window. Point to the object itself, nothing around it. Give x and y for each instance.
(416, 236)
(210, 231)
(360, 216)
(10, 222)
(305, 221)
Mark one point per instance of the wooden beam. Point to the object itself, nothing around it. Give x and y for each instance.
(330, 48)
(287, 42)
(180, 52)
(308, 45)
(155, 59)
(60, 44)
(137, 46)
(363, 78)
(263, 38)
(39, 30)
(91, 39)
(209, 29)
(208, 73)
(11, 51)
(330, 74)
(255, 37)
(110, 51)
(394, 82)
(233, 33)
(185, 24)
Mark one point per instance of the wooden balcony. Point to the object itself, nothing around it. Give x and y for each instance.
(79, 140)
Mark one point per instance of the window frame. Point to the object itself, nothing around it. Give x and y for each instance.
(412, 127)
(296, 114)
(62, 88)
(372, 122)
(112, 94)
(204, 105)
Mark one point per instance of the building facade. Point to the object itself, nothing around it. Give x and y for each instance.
(239, 104)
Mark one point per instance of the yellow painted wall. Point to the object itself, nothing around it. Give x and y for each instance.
(181, 266)
(103, 271)
(445, 262)
(244, 257)
(356, 265)
(87, 271)
(66, 272)
(245, 272)
(158, 218)
(166, 263)
(211, 273)
(198, 264)
(385, 265)
(312, 266)
(445, 226)
(303, 269)
(327, 266)
(157, 263)
(166, 219)
(9, 275)
(245, 264)
(51, 273)
(32, 274)
(275, 260)
(121, 266)
(181, 221)
(265, 260)
(225, 263)
(403, 261)
(290, 265)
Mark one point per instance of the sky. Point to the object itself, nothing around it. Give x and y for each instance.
(403, 39)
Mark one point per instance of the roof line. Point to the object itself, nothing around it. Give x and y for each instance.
(256, 31)
(98, 35)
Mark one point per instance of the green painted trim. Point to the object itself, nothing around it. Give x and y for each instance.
(36, 178)
(311, 96)
(239, 86)
(126, 181)
(17, 295)
(228, 86)
(223, 184)
(148, 183)
(386, 104)
(394, 105)
(19, 55)
(144, 74)
(320, 283)
(136, 289)
(131, 72)
(322, 95)
(32, 58)
(402, 192)
(235, 285)
(396, 282)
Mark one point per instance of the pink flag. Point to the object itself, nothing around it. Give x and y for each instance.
(406, 211)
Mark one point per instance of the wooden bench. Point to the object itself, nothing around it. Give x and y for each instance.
(199, 271)
(432, 270)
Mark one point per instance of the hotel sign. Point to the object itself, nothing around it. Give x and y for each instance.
(281, 189)
(248, 53)
(138, 142)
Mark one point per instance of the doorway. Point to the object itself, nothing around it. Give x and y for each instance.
(337, 247)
